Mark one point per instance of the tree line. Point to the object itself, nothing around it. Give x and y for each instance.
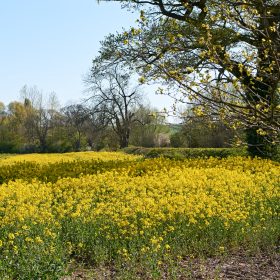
(38, 124)
(220, 59)
(113, 117)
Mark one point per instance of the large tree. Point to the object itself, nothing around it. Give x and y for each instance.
(221, 54)
(113, 97)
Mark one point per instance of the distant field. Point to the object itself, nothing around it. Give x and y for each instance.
(53, 158)
(4, 156)
(132, 218)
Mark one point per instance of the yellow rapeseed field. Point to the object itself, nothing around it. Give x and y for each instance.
(150, 211)
(53, 158)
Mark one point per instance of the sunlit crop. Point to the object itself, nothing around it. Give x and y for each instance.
(152, 210)
(53, 158)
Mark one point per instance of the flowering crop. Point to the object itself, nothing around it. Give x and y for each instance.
(151, 211)
(66, 157)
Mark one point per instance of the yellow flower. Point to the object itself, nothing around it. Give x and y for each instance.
(38, 239)
(167, 247)
(221, 249)
(28, 239)
(11, 236)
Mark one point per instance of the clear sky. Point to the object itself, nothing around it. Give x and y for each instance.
(50, 43)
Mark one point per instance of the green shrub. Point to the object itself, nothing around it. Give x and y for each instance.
(180, 153)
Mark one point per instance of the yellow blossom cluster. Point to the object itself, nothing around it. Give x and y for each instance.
(195, 189)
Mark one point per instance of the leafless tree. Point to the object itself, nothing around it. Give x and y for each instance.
(112, 95)
(39, 114)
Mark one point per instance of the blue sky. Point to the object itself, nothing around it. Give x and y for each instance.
(50, 43)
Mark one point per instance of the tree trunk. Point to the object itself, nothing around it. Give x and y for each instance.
(43, 145)
(124, 139)
(261, 145)
(265, 85)
(123, 142)
(78, 142)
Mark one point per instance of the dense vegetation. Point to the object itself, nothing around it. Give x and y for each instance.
(138, 217)
(222, 57)
(183, 153)
(25, 128)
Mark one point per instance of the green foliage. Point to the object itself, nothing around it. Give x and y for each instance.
(261, 147)
(202, 132)
(177, 140)
(30, 254)
(222, 56)
(181, 153)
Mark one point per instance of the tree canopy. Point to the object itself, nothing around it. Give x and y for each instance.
(222, 56)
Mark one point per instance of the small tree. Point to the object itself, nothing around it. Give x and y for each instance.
(75, 118)
(149, 123)
(96, 128)
(39, 114)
